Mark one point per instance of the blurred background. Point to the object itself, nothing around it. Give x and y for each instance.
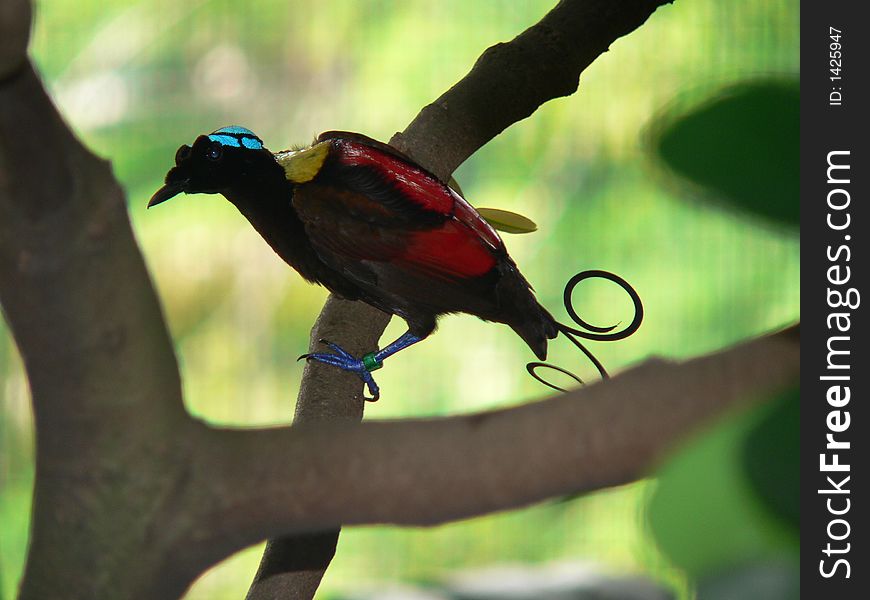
(137, 79)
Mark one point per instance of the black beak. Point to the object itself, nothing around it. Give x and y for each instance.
(167, 191)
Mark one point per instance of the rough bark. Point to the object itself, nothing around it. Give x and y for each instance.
(110, 423)
(293, 566)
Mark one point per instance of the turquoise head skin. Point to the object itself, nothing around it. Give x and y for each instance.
(236, 136)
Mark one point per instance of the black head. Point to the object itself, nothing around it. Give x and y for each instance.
(214, 164)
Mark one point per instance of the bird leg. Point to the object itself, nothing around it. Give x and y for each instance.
(363, 366)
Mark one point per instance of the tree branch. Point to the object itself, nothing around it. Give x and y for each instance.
(64, 235)
(511, 80)
(426, 472)
(104, 383)
(293, 566)
(507, 84)
(15, 19)
(105, 386)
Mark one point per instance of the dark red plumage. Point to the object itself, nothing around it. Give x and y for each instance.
(413, 245)
(462, 246)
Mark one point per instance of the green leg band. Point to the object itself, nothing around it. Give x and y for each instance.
(371, 363)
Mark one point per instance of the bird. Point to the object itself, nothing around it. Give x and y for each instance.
(365, 221)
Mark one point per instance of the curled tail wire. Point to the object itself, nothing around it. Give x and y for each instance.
(587, 330)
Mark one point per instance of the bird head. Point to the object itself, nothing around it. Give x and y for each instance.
(215, 163)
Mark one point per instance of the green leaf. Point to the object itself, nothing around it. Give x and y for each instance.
(742, 144)
(771, 458)
(509, 222)
(705, 513)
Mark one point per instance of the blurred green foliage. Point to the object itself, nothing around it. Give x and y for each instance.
(706, 511)
(771, 459)
(137, 79)
(727, 508)
(743, 144)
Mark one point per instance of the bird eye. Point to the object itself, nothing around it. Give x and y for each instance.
(214, 152)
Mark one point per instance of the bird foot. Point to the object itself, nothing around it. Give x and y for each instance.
(347, 362)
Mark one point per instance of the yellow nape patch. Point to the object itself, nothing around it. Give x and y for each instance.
(301, 166)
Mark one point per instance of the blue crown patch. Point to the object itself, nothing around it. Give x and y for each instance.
(237, 137)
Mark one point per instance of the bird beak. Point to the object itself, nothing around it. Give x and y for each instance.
(168, 191)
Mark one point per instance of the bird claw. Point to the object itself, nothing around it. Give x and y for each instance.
(346, 362)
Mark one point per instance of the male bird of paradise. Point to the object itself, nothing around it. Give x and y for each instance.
(366, 222)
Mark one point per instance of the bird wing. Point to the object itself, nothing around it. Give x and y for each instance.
(499, 219)
(364, 140)
(371, 204)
